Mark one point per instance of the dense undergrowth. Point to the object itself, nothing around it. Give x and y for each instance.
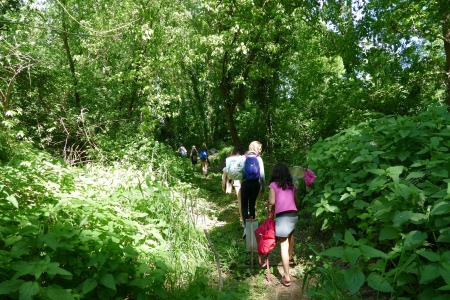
(383, 189)
(123, 231)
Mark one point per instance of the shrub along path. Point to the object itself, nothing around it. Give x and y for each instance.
(226, 235)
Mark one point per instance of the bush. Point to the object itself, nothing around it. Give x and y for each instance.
(383, 185)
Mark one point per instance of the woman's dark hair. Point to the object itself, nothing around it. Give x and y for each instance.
(280, 175)
(238, 150)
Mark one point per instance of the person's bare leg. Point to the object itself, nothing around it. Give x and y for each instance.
(284, 245)
(291, 245)
(238, 194)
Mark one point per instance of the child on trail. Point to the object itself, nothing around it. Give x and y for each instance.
(193, 156)
(237, 151)
(252, 184)
(182, 151)
(204, 159)
(282, 194)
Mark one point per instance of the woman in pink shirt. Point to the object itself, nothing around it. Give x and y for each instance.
(283, 195)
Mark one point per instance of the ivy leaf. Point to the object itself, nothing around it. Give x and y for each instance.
(354, 279)
(376, 282)
(28, 290)
(56, 292)
(108, 281)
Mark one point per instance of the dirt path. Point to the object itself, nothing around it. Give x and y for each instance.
(226, 213)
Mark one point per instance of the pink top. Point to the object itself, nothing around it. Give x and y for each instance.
(284, 199)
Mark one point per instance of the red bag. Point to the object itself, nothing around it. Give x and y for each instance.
(266, 240)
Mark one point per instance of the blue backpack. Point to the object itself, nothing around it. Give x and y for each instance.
(203, 154)
(251, 167)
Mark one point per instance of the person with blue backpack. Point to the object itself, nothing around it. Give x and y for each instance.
(203, 155)
(253, 183)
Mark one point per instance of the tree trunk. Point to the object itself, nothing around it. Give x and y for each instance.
(71, 64)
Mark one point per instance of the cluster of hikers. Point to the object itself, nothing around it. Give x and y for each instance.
(244, 172)
(195, 155)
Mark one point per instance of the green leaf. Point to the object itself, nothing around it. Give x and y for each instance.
(89, 284)
(53, 269)
(402, 190)
(431, 256)
(402, 217)
(394, 172)
(352, 255)
(349, 239)
(376, 282)
(377, 171)
(28, 290)
(429, 272)
(415, 238)
(444, 237)
(388, 233)
(368, 251)
(354, 279)
(377, 183)
(441, 208)
(440, 173)
(108, 281)
(10, 286)
(13, 201)
(56, 292)
(414, 175)
(334, 251)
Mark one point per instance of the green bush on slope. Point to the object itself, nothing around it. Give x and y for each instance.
(383, 188)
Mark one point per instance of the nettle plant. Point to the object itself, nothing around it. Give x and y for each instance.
(93, 233)
(385, 184)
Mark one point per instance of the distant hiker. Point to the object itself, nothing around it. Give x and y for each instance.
(254, 180)
(282, 194)
(203, 155)
(233, 174)
(182, 151)
(194, 157)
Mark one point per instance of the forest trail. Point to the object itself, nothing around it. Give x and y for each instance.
(226, 213)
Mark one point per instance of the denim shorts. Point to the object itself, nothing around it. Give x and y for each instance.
(285, 223)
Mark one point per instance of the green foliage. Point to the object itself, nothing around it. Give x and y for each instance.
(386, 182)
(97, 232)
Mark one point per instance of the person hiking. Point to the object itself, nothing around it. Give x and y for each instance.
(182, 151)
(253, 182)
(282, 194)
(194, 157)
(235, 157)
(203, 154)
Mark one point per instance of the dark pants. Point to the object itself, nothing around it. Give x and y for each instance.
(249, 193)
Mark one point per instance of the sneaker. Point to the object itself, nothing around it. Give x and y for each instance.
(242, 225)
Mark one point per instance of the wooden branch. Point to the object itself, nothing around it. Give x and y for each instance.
(217, 260)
